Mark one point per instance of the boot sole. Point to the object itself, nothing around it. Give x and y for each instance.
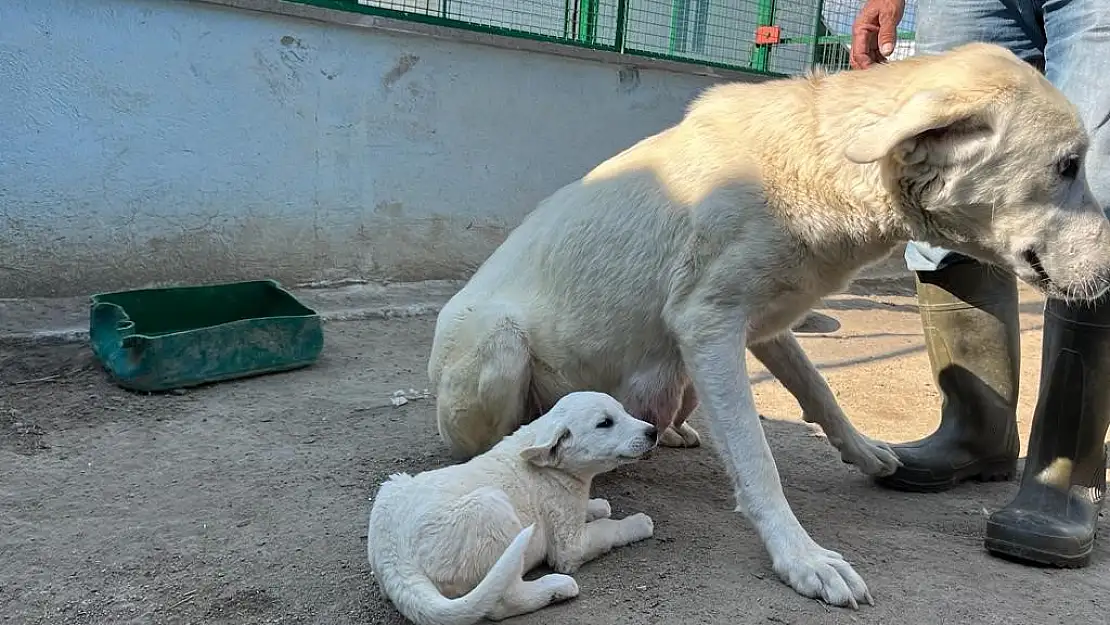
(1025, 554)
(992, 471)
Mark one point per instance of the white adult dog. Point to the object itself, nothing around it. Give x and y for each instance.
(647, 278)
(449, 546)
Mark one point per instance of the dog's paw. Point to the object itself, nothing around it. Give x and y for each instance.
(822, 574)
(561, 587)
(637, 527)
(682, 436)
(874, 458)
(598, 509)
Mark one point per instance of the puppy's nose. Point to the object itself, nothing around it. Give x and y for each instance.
(652, 433)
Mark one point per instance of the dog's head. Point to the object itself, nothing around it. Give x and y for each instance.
(588, 433)
(988, 157)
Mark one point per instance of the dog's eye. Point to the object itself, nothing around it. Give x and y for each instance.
(1068, 167)
(606, 423)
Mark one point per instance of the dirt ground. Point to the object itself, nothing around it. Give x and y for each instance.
(246, 502)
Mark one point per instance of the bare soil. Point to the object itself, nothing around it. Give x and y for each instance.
(246, 502)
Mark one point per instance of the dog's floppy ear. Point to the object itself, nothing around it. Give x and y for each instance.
(922, 112)
(545, 451)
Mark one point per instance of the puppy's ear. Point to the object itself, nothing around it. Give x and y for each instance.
(925, 111)
(545, 452)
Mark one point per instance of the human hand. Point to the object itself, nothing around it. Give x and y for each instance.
(875, 32)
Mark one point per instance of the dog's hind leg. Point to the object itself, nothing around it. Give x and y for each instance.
(483, 523)
(484, 394)
(784, 358)
(528, 597)
(663, 398)
(680, 434)
(464, 540)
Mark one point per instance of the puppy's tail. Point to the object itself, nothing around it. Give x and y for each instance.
(420, 601)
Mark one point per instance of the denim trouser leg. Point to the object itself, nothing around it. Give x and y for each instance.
(1077, 61)
(1069, 39)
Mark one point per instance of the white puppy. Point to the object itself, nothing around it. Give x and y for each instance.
(450, 546)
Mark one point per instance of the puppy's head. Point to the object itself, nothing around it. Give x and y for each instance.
(588, 433)
(988, 158)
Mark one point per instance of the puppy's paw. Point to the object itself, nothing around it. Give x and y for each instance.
(683, 436)
(638, 527)
(874, 458)
(534, 595)
(561, 587)
(598, 509)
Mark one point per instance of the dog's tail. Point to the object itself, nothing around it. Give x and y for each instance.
(420, 601)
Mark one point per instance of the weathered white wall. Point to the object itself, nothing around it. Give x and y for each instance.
(151, 141)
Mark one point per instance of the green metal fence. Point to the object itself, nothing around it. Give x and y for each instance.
(777, 37)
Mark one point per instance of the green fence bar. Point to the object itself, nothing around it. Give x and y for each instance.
(761, 53)
(679, 13)
(622, 19)
(587, 20)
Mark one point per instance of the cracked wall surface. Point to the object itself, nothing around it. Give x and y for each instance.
(156, 141)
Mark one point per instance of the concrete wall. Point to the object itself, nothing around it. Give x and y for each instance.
(152, 141)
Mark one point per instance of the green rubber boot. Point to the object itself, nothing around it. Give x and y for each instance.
(969, 314)
(1053, 519)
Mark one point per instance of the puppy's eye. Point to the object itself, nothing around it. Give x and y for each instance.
(605, 423)
(1068, 167)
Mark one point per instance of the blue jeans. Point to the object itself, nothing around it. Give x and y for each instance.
(1068, 39)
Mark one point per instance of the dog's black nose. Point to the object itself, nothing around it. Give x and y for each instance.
(652, 433)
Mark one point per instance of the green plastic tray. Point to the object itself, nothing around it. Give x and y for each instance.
(169, 338)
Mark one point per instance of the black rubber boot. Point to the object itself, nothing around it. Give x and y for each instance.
(1053, 519)
(970, 317)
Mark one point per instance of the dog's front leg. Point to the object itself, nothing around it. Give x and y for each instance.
(712, 346)
(787, 361)
(596, 538)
